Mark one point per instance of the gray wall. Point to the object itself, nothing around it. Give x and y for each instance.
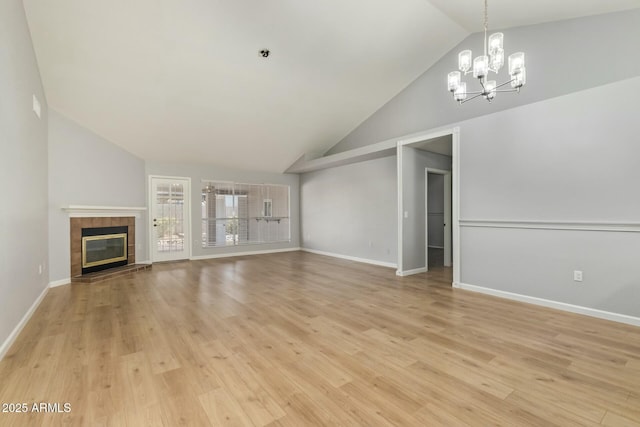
(23, 171)
(571, 158)
(562, 57)
(85, 169)
(198, 173)
(567, 159)
(435, 210)
(352, 210)
(414, 162)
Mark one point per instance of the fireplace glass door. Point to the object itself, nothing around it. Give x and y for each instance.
(103, 249)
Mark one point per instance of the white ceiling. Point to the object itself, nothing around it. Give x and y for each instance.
(182, 81)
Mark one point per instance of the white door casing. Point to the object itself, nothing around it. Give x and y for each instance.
(455, 196)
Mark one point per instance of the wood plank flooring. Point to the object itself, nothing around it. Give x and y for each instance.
(297, 339)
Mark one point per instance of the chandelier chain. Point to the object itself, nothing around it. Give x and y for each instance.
(486, 15)
(486, 24)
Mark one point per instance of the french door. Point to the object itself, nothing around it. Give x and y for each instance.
(170, 218)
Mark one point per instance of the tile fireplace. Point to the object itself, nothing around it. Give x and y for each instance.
(99, 243)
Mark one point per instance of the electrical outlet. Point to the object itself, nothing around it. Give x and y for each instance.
(577, 276)
(406, 214)
(40, 269)
(370, 244)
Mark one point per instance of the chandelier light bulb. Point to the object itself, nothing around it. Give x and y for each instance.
(490, 89)
(460, 93)
(496, 60)
(480, 66)
(453, 79)
(516, 63)
(464, 61)
(519, 79)
(496, 43)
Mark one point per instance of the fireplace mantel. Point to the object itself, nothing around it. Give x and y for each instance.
(84, 211)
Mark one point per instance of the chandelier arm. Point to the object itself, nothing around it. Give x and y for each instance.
(474, 92)
(504, 84)
(469, 99)
(508, 90)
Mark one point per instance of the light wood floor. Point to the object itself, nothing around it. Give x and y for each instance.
(297, 339)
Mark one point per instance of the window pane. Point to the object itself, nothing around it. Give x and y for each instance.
(236, 214)
(170, 223)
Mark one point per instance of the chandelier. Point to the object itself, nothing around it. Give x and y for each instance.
(491, 61)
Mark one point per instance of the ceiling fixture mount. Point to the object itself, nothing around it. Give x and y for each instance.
(491, 61)
(264, 53)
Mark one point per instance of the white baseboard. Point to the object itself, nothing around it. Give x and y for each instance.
(411, 272)
(144, 262)
(352, 258)
(616, 317)
(60, 282)
(16, 331)
(233, 254)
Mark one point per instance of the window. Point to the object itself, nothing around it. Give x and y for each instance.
(267, 210)
(240, 214)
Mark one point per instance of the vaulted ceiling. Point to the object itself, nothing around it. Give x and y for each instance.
(183, 81)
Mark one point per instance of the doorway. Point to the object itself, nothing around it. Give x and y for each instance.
(437, 184)
(413, 206)
(170, 214)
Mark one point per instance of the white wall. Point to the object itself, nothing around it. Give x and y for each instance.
(86, 169)
(23, 173)
(200, 173)
(352, 210)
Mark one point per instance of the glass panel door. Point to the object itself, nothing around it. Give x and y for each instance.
(170, 219)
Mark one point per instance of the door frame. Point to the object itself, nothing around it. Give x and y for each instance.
(455, 194)
(189, 228)
(446, 213)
